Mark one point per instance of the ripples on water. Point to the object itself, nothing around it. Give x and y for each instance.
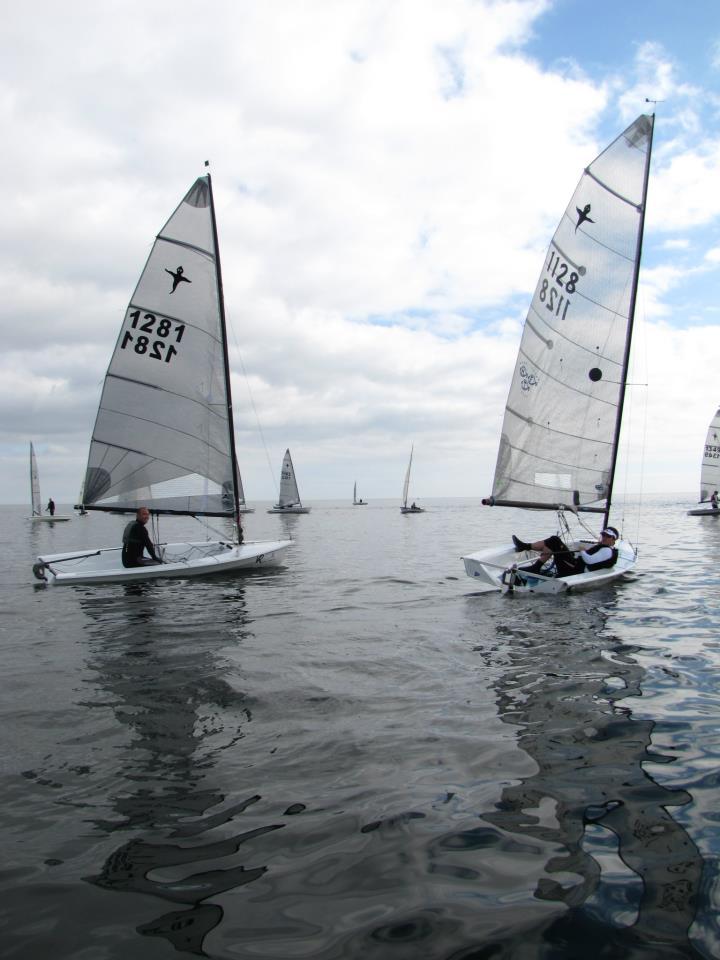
(361, 756)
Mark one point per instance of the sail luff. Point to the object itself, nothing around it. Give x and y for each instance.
(631, 323)
(226, 360)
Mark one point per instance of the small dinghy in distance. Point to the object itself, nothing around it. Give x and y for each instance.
(37, 515)
(560, 436)
(710, 472)
(413, 508)
(356, 502)
(163, 437)
(289, 499)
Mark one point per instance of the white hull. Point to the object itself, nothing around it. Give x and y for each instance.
(48, 519)
(704, 513)
(489, 567)
(360, 503)
(190, 559)
(296, 508)
(412, 510)
(246, 510)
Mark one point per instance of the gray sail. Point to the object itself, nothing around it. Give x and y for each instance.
(34, 485)
(559, 435)
(710, 470)
(162, 435)
(406, 484)
(289, 493)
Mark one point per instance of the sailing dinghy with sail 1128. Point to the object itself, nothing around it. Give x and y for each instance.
(289, 499)
(710, 472)
(356, 502)
(560, 435)
(163, 437)
(36, 500)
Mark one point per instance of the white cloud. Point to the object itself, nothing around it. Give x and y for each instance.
(384, 190)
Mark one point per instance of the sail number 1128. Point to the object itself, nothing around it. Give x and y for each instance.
(560, 276)
(148, 328)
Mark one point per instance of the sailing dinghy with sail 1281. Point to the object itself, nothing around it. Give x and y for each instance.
(289, 499)
(560, 435)
(36, 500)
(710, 472)
(163, 437)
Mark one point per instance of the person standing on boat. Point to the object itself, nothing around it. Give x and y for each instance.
(714, 500)
(51, 507)
(135, 540)
(567, 563)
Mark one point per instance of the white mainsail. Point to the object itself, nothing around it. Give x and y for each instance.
(289, 494)
(560, 433)
(34, 485)
(406, 485)
(710, 470)
(163, 434)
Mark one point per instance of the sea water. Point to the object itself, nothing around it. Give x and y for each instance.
(361, 754)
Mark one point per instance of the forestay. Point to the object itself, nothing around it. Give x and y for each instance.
(559, 434)
(162, 436)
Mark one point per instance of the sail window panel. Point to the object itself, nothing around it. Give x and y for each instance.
(167, 446)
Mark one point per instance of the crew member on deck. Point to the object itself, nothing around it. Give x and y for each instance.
(600, 555)
(136, 539)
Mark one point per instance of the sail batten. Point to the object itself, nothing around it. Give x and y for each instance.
(163, 435)
(563, 409)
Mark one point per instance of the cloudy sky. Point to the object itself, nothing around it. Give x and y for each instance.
(387, 177)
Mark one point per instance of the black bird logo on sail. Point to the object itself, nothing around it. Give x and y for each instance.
(178, 278)
(583, 216)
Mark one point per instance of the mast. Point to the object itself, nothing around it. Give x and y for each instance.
(226, 362)
(631, 322)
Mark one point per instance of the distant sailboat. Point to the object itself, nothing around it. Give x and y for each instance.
(289, 500)
(560, 436)
(406, 487)
(356, 502)
(710, 472)
(163, 436)
(37, 514)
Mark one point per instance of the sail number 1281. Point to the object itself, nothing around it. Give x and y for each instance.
(149, 327)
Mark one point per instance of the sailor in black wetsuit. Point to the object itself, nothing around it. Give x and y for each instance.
(136, 540)
(597, 557)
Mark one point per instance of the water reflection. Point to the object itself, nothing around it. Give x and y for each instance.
(159, 665)
(626, 869)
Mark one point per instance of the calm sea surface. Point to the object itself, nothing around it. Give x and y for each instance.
(361, 755)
